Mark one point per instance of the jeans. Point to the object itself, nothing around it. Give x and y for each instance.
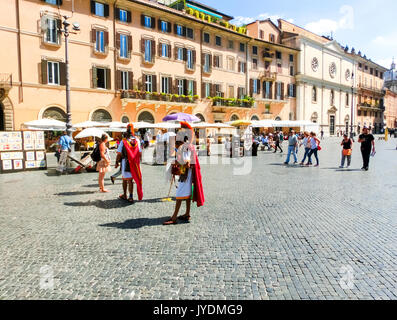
(291, 149)
(117, 174)
(278, 146)
(307, 150)
(366, 155)
(349, 159)
(311, 152)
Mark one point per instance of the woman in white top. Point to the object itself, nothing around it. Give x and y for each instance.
(314, 144)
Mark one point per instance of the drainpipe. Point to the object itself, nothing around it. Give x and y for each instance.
(114, 48)
(20, 88)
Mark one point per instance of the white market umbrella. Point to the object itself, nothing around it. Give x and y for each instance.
(144, 125)
(45, 125)
(91, 132)
(167, 125)
(210, 125)
(263, 124)
(90, 124)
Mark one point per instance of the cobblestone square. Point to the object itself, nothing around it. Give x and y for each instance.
(279, 232)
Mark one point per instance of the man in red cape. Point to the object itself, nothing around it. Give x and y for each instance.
(130, 151)
(190, 177)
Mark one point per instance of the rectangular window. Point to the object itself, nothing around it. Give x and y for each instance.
(278, 55)
(231, 92)
(267, 90)
(207, 87)
(206, 37)
(101, 78)
(123, 46)
(347, 99)
(255, 50)
(291, 58)
(190, 88)
(123, 15)
(217, 62)
(190, 33)
(272, 38)
(99, 9)
(148, 50)
(52, 1)
(291, 71)
(242, 67)
(218, 40)
(124, 80)
(148, 22)
(180, 54)
(164, 26)
(181, 87)
(53, 73)
(231, 44)
(255, 84)
(165, 85)
(179, 30)
(218, 92)
(261, 34)
(100, 41)
(230, 64)
(278, 93)
(255, 64)
(164, 50)
(190, 64)
(52, 31)
(207, 63)
(242, 47)
(148, 83)
(291, 90)
(241, 92)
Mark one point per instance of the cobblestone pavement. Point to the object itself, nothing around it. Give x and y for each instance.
(278, 233)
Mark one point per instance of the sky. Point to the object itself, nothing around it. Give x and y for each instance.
(369, 26)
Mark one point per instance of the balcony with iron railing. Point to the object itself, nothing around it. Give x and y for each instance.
(267, 75)
(371, 107)
(246, 102)
(268, 56)
(363, 86)
(157, 96)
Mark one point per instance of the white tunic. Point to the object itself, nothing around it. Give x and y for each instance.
(184, 190)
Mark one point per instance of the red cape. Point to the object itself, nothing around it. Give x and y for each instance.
(134, 158)
(198, 191)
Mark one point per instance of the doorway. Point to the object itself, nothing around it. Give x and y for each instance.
(332, 125)
(2, 121)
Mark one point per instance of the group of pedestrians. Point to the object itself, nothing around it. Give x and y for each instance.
(309, 141)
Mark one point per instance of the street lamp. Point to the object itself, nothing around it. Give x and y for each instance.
(352, 110)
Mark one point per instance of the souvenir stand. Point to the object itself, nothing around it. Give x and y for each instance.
(22, 150)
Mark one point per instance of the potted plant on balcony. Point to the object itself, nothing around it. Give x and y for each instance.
(195, 97)
(156, 96)
(175, 97)
(148, 95)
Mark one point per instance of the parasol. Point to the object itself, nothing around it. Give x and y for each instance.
(91, 132)
(181, 117)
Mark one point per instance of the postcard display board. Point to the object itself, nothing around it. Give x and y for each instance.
(22, 150)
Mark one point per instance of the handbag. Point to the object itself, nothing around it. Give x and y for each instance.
(176, 169)
(319, 148)
(347, 152)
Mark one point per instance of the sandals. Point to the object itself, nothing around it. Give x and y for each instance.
(184, 218)
(122, 197)
(169, 222)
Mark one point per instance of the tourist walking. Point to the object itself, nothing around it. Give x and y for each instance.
(306, 144)
(367, 141)
(314, 145)
(276, 139)
(292, 145)
(65, 143)
(103, 165)
(129, 154)
(347, 150)
(190, 184)
(322, 134)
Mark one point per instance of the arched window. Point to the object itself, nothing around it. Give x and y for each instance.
(200, 116)
(234, 117)
(54, 113)
(314, 94)
(291, 116)
(101, 116)
(125, 119)
(146, 117)
(255, 118)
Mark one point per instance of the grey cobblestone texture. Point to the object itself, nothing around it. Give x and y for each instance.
(278, 233)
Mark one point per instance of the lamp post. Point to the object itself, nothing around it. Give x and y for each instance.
(66, 33)
(352, 110)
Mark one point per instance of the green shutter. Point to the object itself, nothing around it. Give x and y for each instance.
(94, 77)
(44, 79)
(108, 79)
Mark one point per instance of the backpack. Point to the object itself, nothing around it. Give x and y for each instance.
(96, 154)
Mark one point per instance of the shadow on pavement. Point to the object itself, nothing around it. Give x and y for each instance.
(96, 185)
(109, 204)
(74, 193)
(348, 170)
(136, 223)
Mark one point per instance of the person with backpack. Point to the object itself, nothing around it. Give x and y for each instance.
(103, 165)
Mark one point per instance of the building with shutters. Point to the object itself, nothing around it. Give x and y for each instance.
(390, 87)
(139, 60)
